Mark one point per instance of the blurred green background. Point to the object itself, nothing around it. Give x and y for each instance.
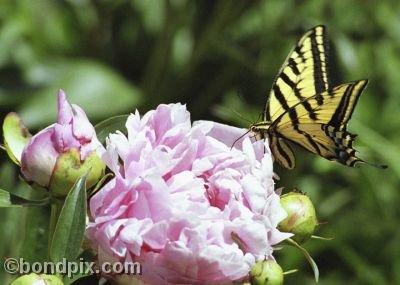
(219, 58)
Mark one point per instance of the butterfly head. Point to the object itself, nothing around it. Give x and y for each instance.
(259, 130)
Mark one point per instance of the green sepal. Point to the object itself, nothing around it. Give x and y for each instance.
(69, 167)
(16, 136)
(310, 260)
(322, 238)
(99, 184)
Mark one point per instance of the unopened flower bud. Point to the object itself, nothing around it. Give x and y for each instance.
(301, 219)
(266, 272)
(57, 156)
(35, 279)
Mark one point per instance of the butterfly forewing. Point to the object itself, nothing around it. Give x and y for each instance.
(303, 74)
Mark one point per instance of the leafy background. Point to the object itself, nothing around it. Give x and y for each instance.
(219, 58)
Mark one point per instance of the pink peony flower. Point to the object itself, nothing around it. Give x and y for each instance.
(56, 156)
(184, 204)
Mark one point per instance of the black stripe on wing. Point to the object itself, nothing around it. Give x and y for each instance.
(305, 67)
(344, 152)
(347, 104)
(318, 40)
(282, 152)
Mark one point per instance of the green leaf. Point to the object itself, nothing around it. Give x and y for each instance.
(314, 266)
(70, 228)
(110, 125)
(16, 136)
(86, 279)
(95, 87)
(11, 200)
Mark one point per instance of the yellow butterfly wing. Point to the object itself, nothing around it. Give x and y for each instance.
(282, 152)
(303, 74)
(304, 109)
(322, 131)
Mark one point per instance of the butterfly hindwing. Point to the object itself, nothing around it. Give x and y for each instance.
(282, 152)
(336, 109)
(325, 132)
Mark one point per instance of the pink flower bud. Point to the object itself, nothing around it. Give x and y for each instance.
(58, 155)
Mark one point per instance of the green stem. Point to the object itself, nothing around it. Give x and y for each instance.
(56, 206)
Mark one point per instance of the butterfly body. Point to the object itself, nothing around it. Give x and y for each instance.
(304, 109)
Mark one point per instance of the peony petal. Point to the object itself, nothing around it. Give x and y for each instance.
(64, 139)
(189, 207)
(82, 128)
(39, 158)
(230, 136)
(65, 113)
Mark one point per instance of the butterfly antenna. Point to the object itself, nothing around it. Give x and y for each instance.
(241, 116)
(259, 117)
(239, 95)
(239, 138)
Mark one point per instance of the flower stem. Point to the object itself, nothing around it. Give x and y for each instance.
(56, 206)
